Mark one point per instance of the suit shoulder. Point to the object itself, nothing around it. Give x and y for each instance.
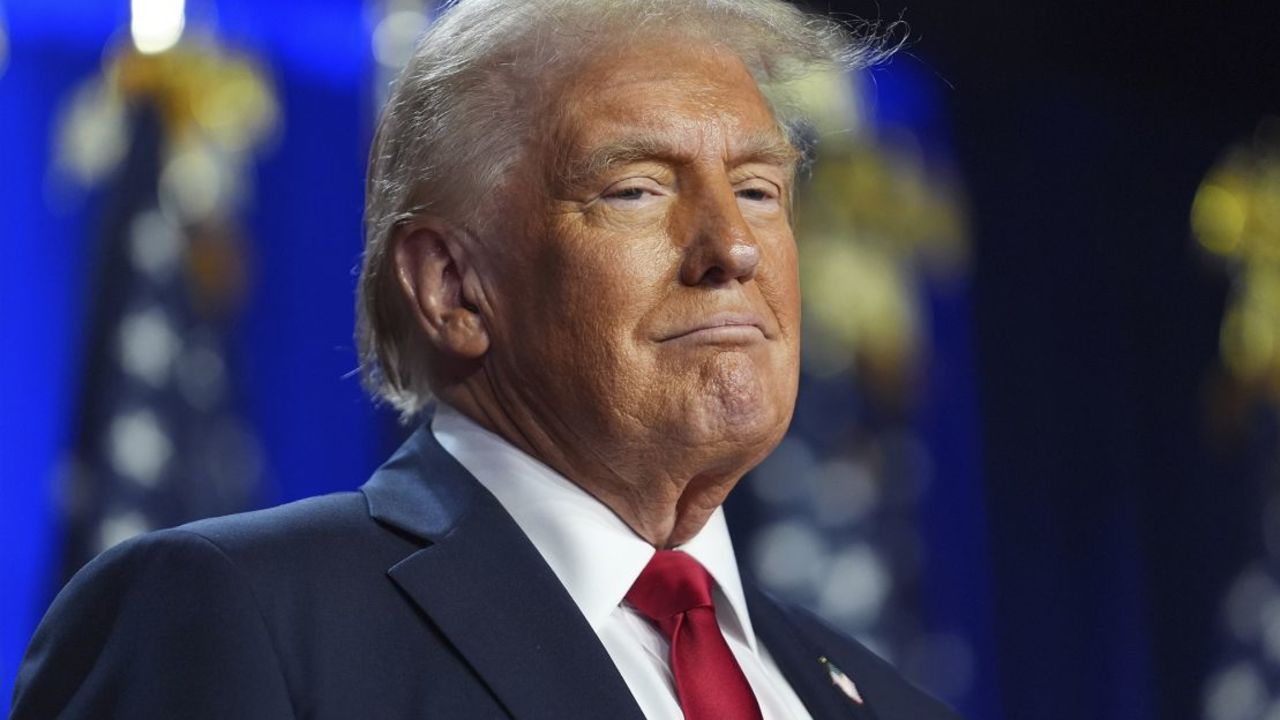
(213, 548)
(108, 643)
(869, 669)
(326, 541)
(310, 518)
(189, 603)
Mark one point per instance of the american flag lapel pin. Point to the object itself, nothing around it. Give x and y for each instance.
(842, 681)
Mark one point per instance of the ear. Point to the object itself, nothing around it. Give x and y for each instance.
(431, 267)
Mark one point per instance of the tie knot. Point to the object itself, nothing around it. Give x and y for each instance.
(672, 583)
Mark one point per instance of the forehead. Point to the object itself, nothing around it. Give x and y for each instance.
(681, 98)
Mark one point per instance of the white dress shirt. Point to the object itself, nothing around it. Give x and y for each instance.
(597, 558)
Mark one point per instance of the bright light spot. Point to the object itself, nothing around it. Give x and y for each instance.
(148, 346)
(394, 37)
(139, 449)
(1249, 594)
(156, 25)
(238, 110)
(1249, 340)
(860, 301)
(154, 245)
(1237, 693)
(118, 527)
(196, 183)
(1218, 218)
(857, 583)
(790, 556)
(831, 101)
(93, 134)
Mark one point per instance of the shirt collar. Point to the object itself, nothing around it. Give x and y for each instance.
(595, 555)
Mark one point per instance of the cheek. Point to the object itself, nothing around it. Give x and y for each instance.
(605, 285)
(780, 283)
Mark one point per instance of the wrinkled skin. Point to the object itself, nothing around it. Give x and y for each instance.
(633, 318)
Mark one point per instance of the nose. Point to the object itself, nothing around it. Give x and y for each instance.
(722, 248)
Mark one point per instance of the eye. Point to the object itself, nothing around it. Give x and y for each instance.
(757, 191)
(755, 194)
(634, 191)
(630, 193)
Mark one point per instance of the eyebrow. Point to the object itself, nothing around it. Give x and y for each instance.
(761, 147)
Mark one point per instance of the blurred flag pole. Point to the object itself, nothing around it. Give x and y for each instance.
(165, 133)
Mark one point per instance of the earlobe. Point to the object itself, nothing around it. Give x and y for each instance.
(430, 266)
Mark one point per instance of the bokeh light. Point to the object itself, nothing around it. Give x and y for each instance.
(156, 25)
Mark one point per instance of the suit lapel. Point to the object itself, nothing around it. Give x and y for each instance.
(490, 592)
(801, 663)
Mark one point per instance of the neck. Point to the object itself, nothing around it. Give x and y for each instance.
(663, 497)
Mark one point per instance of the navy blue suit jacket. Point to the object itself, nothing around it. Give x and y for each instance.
(417, 597)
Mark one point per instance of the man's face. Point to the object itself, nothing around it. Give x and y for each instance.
(645, 289)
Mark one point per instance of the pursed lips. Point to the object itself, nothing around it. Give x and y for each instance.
(725, 327)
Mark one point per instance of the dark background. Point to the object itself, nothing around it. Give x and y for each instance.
(1115, 518)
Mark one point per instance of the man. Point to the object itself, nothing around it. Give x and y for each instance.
(579, 242)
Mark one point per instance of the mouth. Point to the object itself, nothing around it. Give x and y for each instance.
(722, 328)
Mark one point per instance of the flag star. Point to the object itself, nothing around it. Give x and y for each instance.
(1238, 692)
(120, 526)
(855, 586)
(154, 244)
(147, 345)
(138, 448)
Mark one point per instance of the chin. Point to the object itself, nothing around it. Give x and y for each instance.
(743, 404)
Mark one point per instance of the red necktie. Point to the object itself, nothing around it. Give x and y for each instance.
(674, 591)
